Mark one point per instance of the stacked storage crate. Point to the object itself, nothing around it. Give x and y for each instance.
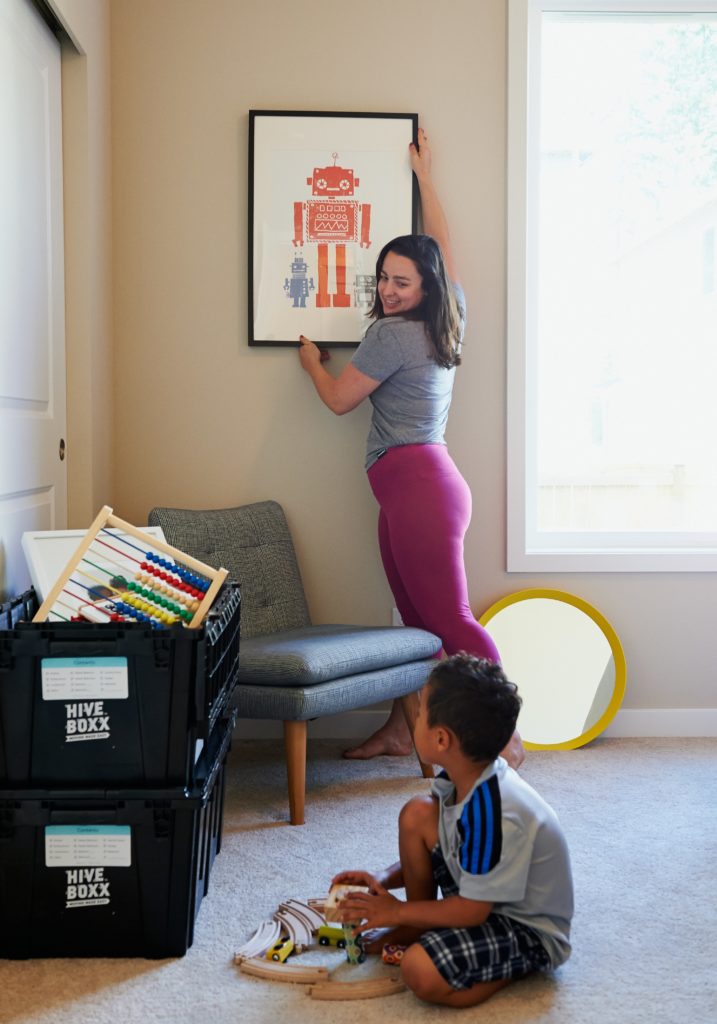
(113, 746)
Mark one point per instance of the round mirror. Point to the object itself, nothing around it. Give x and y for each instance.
(567, 662)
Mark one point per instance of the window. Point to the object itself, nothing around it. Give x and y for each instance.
(612, 306)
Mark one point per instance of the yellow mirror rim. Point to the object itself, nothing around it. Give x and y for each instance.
(615, 645)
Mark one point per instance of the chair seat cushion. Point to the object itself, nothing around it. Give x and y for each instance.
(317, 654)
(302, 703)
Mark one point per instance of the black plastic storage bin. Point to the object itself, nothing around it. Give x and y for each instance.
(111, 704)
(20, 609)
(87, 873)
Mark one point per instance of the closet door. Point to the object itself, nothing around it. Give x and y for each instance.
(33, 470)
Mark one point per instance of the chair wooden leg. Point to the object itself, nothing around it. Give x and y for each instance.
(410, 703)
(295, 743)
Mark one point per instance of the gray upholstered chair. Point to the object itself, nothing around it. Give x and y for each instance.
(289, 669)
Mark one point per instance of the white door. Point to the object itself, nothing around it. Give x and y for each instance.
(33, 475)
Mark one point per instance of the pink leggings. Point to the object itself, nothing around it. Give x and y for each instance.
(425, 512)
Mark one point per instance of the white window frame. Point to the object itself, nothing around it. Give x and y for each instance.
(560, 552)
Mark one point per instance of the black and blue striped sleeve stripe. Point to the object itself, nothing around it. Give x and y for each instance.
(480, 829)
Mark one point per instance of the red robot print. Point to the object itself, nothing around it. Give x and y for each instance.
(333, 218)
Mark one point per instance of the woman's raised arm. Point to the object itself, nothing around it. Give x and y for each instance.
(434, 219)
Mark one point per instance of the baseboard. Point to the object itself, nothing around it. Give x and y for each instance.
(664, 722)
(638, 722)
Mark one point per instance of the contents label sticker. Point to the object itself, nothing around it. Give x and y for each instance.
(84, 679)
(73, 846)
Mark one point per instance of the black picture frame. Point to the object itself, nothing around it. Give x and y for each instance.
(327, 190)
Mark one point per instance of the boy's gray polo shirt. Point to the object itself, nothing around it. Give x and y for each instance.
(410, 406)
(503, 844)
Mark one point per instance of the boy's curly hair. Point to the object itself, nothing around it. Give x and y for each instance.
(475, 700)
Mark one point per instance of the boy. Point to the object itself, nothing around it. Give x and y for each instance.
(485, 837)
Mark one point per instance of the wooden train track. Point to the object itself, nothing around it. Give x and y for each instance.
(372, 988)
(284, 972)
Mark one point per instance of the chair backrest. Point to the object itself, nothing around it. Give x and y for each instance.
(254, 544)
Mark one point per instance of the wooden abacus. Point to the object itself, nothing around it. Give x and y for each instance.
(112, 578)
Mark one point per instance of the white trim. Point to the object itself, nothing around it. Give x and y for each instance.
(517, 278)
(62, 20)
(626, 6)
(677, 722)
(628, 723)
(617, 559)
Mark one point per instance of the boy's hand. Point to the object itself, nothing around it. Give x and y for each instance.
(375, 909)
(354, 878)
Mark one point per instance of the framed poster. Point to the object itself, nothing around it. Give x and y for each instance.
(326, 192)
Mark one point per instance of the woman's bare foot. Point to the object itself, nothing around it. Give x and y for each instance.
(384, 742)
(514, 751)
(393, 739)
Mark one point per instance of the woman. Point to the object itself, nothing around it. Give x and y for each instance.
(406, 366)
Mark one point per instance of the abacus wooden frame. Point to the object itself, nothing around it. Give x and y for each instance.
(106, 518)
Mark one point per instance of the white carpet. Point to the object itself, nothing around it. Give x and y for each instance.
(641, 821)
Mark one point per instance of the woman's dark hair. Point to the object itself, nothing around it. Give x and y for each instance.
(473, 698)
(439, 309)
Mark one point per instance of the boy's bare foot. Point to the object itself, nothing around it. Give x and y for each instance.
(375, 939)
(382, 743)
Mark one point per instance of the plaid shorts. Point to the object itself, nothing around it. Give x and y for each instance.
(498, 948)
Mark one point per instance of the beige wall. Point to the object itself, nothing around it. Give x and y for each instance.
(202, 420)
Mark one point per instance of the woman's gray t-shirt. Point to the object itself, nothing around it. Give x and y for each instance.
(410, 405)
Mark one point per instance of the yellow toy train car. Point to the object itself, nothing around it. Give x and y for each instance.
(280, 951)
